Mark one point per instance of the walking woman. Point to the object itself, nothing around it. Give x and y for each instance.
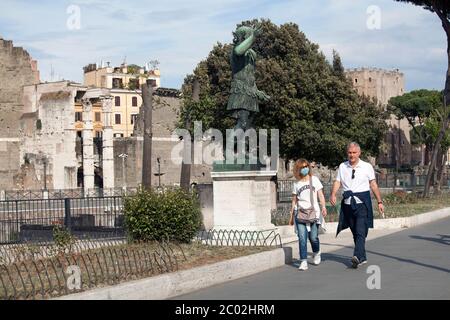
(305, 212)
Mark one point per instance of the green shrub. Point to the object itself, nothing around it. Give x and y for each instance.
(168, 214)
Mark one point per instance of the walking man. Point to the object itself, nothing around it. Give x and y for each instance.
(357, 178)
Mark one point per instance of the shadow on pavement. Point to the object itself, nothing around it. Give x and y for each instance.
(400, 259)
(444, 239)
(345, 260)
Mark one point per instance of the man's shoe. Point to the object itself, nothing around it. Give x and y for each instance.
(355, 262)
(362, 262)
(316, 258)
(303, 265)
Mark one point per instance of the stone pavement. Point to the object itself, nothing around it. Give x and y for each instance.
(414, 264)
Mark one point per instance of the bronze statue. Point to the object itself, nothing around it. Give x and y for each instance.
(244, 94)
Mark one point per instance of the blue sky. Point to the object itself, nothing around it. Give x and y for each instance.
(181, 33)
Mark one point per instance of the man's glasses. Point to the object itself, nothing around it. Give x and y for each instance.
(353, 174)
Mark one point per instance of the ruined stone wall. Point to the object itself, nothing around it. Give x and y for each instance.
(383, 85)
(49, 135)
(16, 70)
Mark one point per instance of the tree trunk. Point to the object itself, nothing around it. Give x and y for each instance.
(185, 179)
(436, 147)
(437, 173)
(441, 169)
(147, 95)
(437, 144)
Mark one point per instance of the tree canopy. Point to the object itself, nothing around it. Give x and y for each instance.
(424, 110)
(313, 105)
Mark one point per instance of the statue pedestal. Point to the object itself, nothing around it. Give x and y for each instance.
(242, 200)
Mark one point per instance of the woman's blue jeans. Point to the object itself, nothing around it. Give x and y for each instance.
(303, 236)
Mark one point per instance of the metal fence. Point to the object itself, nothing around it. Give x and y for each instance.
(34, 220)
(285, 187)
(406, 181)
(66, 193)
(47, 276)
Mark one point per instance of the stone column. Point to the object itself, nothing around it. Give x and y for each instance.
(88, 147)
(108, 151)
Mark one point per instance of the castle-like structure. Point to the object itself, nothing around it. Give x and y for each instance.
(383, 85)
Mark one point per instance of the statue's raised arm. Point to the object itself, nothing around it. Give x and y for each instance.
(244, 94)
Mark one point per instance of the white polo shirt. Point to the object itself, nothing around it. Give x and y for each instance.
(364, 173)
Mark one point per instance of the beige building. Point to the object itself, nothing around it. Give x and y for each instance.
(383, 85)
(124, 83)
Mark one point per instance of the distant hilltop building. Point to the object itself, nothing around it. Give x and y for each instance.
(377, 83)
(383, 85)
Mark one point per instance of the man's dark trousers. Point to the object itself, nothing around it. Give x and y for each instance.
(357, 221)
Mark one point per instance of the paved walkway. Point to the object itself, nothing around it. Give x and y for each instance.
(414, 264)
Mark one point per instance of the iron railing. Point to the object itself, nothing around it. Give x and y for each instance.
(34, 220)
(50, 276)
(67, 193)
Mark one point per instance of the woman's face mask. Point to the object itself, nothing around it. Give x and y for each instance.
(304, 171)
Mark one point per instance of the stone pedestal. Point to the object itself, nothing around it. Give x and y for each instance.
(242, 200)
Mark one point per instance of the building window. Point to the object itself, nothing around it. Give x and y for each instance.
(118, 118)
(78, 116)
(370, 79)
(133, 118)
(356, 80)
(117, 83)
(99, 134)
(134, 102)
(118, 135)
(117, 101)
(97, 116)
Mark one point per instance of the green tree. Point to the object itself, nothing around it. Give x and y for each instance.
(338, 68)
(425, 112)
(417, 106)
(442, 10)
(317, 112)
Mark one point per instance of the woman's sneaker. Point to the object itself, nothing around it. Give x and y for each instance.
(303, 265)
(316, 258)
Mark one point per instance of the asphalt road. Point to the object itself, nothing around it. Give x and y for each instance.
(412, 264)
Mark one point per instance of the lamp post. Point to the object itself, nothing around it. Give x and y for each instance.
(123, 156)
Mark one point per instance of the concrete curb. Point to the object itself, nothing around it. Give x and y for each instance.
(181, 282)
(287, 233)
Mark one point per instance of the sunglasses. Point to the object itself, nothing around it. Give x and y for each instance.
(353, 174)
